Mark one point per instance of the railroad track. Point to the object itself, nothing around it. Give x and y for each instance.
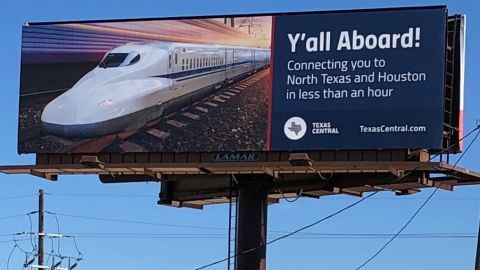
(160, 127)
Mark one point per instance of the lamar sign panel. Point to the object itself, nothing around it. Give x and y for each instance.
(368, 79)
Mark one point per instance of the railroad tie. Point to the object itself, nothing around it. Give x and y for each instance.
(191, 115)
(224, 96)
(198, 108)
(160, 134)
(217, 98)
(176, 123)
(127, 146)
(211, 104)
(230, 94)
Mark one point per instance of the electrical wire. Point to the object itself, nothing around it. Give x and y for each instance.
(13, 216)
(338, 211)
(58, 230)
(32, 241)
(12, 241)
(299, 194)
(137, 222)
(301, 236)
(80, 255)
(19, 247)
(416, 212)
(99, 195)
(16, 197)
(10, 255)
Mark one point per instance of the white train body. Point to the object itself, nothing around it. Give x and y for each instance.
(136, 83)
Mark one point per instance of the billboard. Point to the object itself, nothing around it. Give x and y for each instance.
(366, 79)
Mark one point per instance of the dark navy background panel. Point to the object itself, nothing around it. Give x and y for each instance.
(412, 103)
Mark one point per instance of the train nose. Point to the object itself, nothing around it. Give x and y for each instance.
(58, 116)
(59, 111)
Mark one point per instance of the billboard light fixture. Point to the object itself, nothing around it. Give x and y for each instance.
(92, 162)
(205, 170)
(300, 159)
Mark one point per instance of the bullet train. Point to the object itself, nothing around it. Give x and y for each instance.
(139, 82)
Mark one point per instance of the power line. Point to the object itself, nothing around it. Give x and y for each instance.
(16, 197)
(331, 236)
(338, 211)
(318, 236)
(13, 241)
(13, 216)
(99, 195)
(137, 222)
(303, 235)
(416, 212)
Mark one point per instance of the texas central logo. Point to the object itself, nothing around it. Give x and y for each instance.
(295, 128)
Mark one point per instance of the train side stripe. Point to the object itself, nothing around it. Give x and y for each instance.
(184, 75)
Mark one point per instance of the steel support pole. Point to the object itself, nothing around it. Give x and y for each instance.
(41, 230)
(477, 258)
(252, 222)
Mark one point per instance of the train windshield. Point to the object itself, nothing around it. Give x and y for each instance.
(119, 59)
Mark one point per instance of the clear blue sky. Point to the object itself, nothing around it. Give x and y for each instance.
(456, 211)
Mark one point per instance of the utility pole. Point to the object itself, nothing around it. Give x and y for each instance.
(41, 232)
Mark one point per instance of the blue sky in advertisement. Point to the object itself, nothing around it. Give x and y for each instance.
(126, 229)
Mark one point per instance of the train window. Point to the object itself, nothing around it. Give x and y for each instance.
(190, 63)
(183, 64)
(169, 61)
(176, 58)
(135, 59)
(113, 60)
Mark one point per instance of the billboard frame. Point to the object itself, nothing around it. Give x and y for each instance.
(443, 7)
